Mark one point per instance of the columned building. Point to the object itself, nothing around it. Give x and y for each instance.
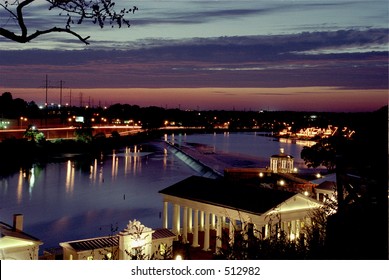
(201, 205)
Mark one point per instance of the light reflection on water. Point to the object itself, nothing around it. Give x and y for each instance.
(68, 201)
(64, 201)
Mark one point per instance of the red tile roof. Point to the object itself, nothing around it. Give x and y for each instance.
(112, 241)
(162, 233)
(94, 243)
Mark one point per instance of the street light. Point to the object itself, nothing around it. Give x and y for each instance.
(21, 121)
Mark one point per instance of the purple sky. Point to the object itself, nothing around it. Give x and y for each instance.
(300, 55)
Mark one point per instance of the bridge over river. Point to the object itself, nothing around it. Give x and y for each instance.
(62, 132)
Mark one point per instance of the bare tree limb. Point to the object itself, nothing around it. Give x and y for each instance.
(100, 12)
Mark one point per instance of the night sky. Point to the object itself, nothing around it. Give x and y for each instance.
(324, 55)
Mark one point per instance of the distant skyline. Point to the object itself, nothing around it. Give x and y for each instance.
(325, 55)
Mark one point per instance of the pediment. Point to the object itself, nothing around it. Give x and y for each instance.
(298, 202)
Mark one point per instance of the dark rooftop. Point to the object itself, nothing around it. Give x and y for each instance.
(8, 230)
(250, 198)
(95, 243)
(162, 233)
(109, 241)
(327, 185)
(281, 156)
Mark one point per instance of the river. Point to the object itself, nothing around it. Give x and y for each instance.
(67, 201)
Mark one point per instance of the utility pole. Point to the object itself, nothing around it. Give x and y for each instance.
(80, 99)
(60, 92)
(47, 88)
(46, 103)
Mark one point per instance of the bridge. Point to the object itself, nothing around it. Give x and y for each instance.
(67, 132)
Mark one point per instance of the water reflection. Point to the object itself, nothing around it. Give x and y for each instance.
(71, 200)
(115, 163)
(28, 178)
(32, 178)
(308, 143)
(69, 184)
(164, 158)
(20, 187)
(132, 160)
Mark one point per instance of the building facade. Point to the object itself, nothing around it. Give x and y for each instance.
(136, 241)
(281, 163)
(198, 205)
(15, 244)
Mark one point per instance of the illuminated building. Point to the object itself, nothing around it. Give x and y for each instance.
(281, 163)
(134, 242)
(15, 244)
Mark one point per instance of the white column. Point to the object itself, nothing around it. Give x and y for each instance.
(223, 222)
(213, 216)
(195, 242)
(293, 229)
(287, 228)
(165, 214)
(202, 220)
(185, 226)
(176, 219)
(266, 231)
(219, 233)
(232, 230)
(206, 232)
(257, 230)
(190, 221)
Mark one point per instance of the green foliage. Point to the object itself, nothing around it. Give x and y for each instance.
(316, 233)
(249, 244)
(320, 154)
(166, 252)
(246, 246)
(33, 134)
(40, 137)
(138, 254)
(84, 134)
(325, 151)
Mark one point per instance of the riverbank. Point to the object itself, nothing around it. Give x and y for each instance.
(23, 153)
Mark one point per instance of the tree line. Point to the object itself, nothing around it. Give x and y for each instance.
(156, 117)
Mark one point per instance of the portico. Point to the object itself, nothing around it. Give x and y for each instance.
(201, 204)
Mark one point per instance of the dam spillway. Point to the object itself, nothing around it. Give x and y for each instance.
(200, 167)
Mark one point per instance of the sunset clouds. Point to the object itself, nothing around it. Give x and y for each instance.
(244, 44)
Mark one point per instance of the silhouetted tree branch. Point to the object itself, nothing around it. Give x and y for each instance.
(99, 12)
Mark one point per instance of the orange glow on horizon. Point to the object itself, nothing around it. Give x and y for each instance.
(291, 98)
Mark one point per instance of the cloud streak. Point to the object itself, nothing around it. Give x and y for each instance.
(302, 48)
(244, 61)
(208, 11)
